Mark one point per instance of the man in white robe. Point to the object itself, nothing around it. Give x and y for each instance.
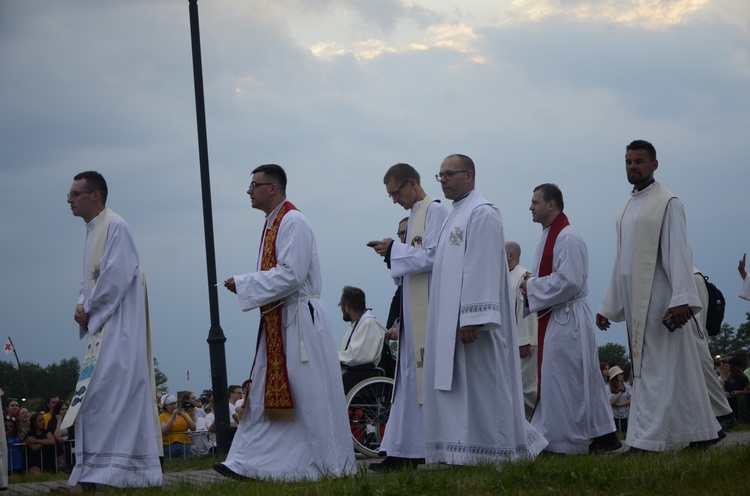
(526, 326)
(652, 281)
(572, 407)
(473, 403)
(3, 454)
(122, 449)
(410, 263)
(362, 345)
(312, 439)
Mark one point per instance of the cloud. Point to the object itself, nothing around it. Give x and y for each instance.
(549, 98)
(649, 14)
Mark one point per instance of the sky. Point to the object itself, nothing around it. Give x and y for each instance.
(337, 91)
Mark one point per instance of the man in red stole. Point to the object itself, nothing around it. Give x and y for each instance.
(294, 425)
(572, 406)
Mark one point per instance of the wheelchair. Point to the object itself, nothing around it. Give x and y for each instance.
(368, 404)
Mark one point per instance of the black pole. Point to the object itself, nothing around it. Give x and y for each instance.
(216, 337)
(20, 370)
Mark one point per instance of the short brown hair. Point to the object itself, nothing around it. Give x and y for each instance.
(401, 173)
(354, 297)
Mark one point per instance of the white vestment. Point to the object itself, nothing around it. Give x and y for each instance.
(745, 291)
(363, 344)
(317, 442)
(670, 405)
(3, 459)
(527, 328)
(473, 404)
(719, 404)
(573, 406)
(404, 433)
(117, 446)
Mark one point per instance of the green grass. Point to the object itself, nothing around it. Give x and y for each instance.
(717, 471)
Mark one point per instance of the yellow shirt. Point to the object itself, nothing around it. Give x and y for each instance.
(47, 418)
(178, 426)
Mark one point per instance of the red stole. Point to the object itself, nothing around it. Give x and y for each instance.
(278, 403)
(545, 269)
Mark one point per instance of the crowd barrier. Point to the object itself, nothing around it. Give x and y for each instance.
(201, 444)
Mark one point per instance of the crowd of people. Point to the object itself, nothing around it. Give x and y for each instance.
(496, 363)
(34, 440)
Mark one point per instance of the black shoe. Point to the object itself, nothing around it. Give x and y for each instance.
(65, 468)
(728, 421)
(607, 442)
(229, 473)
(707, 444)
(392, 463)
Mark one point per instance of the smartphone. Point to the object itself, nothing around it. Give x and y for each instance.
(373, 244)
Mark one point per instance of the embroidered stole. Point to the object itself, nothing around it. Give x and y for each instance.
(278, 404)
(419, 285)
(545, 269)
(99, 236)
(645, 252)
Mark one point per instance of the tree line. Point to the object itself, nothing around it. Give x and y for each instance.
(34, 382)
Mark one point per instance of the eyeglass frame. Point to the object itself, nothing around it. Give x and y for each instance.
(397, 193)
(75, 194)
(448, 175)
(254, 185)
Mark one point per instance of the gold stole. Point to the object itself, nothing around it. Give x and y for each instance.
(419, 285)
(278, 404)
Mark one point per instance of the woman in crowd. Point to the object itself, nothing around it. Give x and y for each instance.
(16, 458)
(619, 397)
(12, 408)
(40, 444)
(175, 424)
(62, 448)
(23, 423)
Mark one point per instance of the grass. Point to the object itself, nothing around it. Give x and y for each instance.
(716, 471)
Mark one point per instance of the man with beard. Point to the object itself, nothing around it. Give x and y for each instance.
(363, 343)
(653, 289)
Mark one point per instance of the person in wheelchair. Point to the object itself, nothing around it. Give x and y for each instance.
(362, 345)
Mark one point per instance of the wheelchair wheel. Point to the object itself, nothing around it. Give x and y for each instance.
(369, 404)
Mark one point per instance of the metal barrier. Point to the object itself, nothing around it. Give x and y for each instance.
(18, 457)
(201, 443)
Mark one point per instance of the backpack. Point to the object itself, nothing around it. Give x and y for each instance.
(715, 310)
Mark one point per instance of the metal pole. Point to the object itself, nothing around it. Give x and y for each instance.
(20, 369)
(216, 337)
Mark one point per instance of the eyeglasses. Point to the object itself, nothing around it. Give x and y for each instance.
(396, 193)
(254, 185)
(76, 194)
(448, 175)
(401, 233)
